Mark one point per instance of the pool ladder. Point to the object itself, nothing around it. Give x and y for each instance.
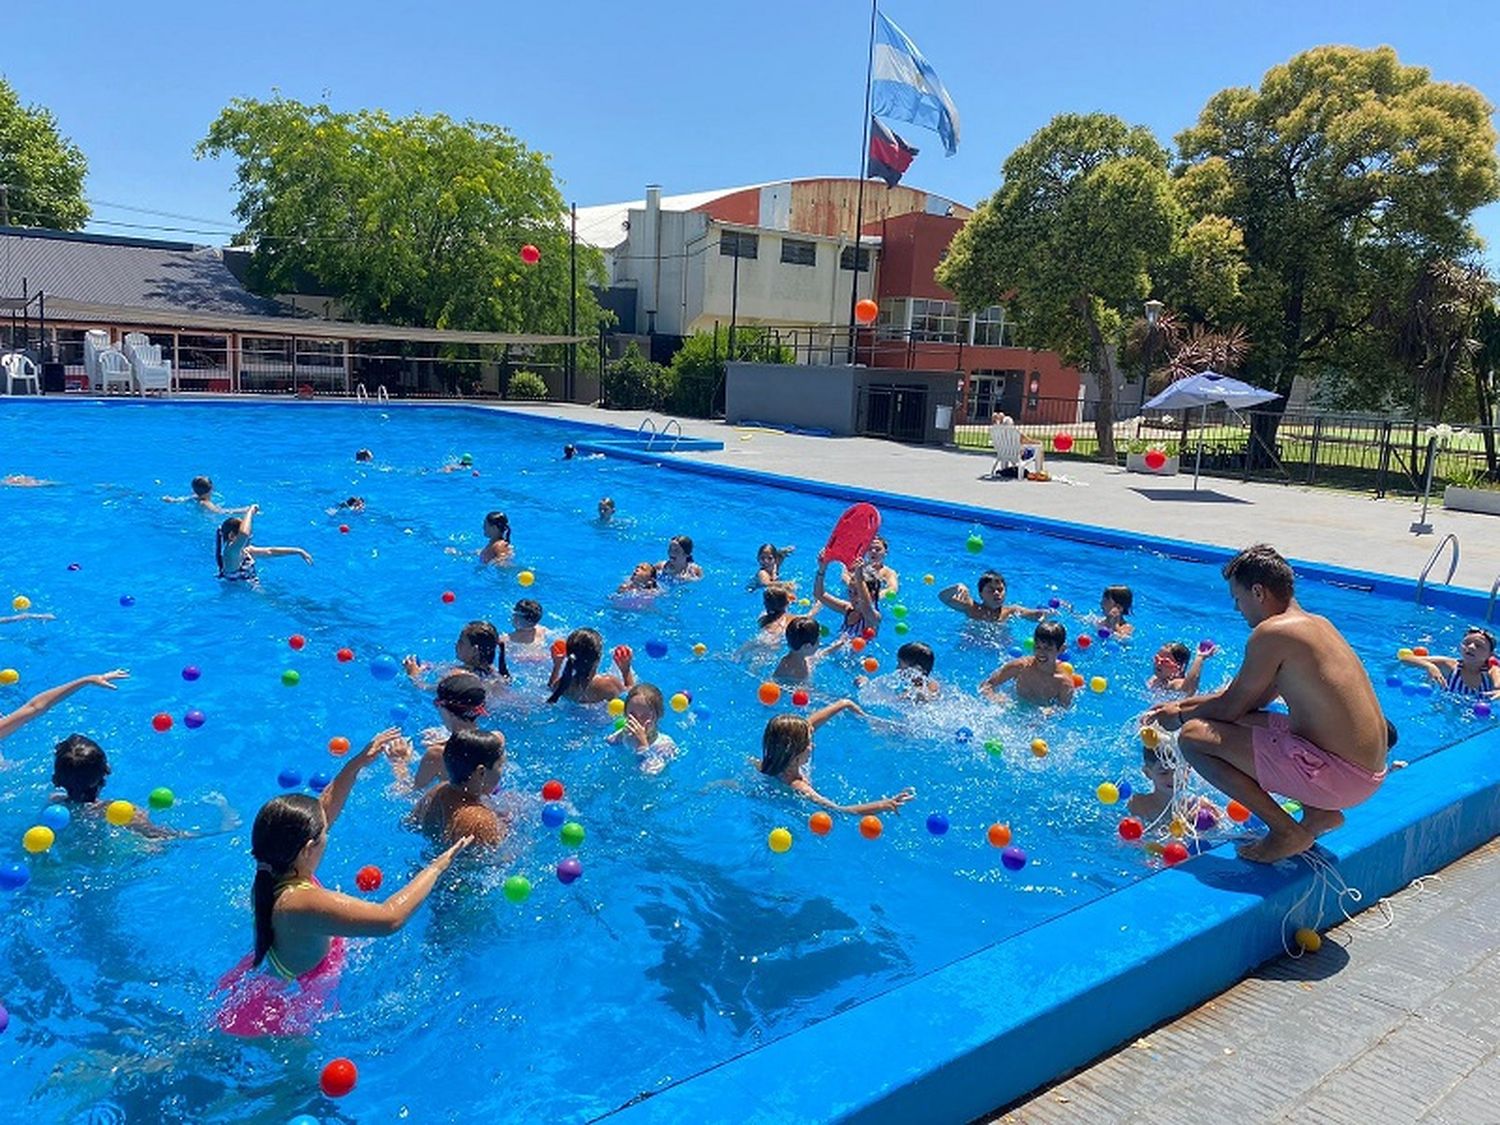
(649, 423)
(1490, 606)
(1452, 566)
(362, 394)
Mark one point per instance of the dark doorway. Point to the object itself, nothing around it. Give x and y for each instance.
(893, 411)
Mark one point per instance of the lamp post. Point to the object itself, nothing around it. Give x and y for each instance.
(1153, 314)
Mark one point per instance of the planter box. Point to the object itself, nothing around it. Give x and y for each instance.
(1486, 500)
(1136, 463)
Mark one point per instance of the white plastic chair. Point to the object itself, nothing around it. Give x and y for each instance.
(151, 372)
(19, 368)
(1006, 440)
(113, 368)
(95, 341)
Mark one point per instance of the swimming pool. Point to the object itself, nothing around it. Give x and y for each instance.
(687, 942)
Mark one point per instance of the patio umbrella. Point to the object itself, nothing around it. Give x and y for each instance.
(1208, 388)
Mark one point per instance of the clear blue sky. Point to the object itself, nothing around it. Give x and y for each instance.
(688, 95)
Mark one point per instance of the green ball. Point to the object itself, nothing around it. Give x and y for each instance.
(517, 888)
(1029, 644)
(572, 834)
(975, 544)
(822, 630)
(620, 723)
(898, 612)
(161, 798)
(291, 677)
(995, 746)
(902, 628)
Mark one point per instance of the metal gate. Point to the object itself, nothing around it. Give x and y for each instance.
(893, 410)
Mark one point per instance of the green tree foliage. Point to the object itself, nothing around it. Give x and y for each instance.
(1084, 216)
(43, 171)
(527, 385)
(416, 220)
(697, 369)
(1345, 173)
(633, 382)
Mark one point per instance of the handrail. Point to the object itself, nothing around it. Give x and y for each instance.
(1490, 608)
(647, 421)
(382, 395)
(666, 426)
(1451, 537)
(360, 393)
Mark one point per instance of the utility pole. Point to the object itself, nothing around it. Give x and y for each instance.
(4, 205)
(570, 381)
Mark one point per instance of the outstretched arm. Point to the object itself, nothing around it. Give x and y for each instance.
(884, 804)
(823, 714)
(273, 552)
(38, 705)
(1195, 672)
(1433, 665)
(315, 910)
(820, 594)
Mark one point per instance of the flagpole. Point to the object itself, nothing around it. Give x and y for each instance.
(864, 156)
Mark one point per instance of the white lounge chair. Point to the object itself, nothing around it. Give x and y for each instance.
(95, 341)
(113, 369)
(1011, 450)
(151, 372)
(18, 368)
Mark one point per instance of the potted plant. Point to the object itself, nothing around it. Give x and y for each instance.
(1156, 458)
(1472, 490)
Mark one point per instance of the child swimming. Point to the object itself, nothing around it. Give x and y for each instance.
(769, 559)
(802, 636)
(477, 649)
(1175, 668)
(914, 662)
(526, 632)
(679, 565)
(575, 669)
(203, 496)
(1472, 672)
(79, 770)
(473, 761)
(1114, 607)
(1037, 677)
(497, 531)
(786, 754)
(235, 554)
(991, 605)
(860, 609)
(642, 580)
(606, 510)
(644, 708)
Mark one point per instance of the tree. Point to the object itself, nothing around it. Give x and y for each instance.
(41, 171)
(1084, 214)
(697, 368)
(1345, 172)
(416, 220)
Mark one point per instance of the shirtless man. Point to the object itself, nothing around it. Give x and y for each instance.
(1328, 752)
(1037, 677)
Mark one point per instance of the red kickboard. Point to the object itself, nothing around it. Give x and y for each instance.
(851, 536)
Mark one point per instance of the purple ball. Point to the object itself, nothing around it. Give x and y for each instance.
(194, 719)
(1104, 633)
(191, 672)
(1053, 603)
(4, 1019)
(1013, 858)
(1482, 710)
(568, 870)
(1205, 819)
(1205, 646)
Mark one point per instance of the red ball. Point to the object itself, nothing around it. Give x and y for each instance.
(344, 655)
(1155, 458)
(1174, 853)
(1237, 812)
(161, 721)
(799, 698)
(530, 254)
(296, 640)
(552, 791)
(1062, 442)
(869, 633)
(338, 1078)
(1131, 828)
(368, 878)
(1084, 640)
(343, 529)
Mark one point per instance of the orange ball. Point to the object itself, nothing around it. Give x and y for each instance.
(999, 835)
(1077, 680)
(338, 744)
(857, 644)
(870, 827)
(820, 824)
(866, 311)
(1237, 812)
(559, 647)
(769, 693)
(870, 664)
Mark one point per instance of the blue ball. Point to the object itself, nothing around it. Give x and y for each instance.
(126, 600)
(1125, 790)
(1104, 633)
(1016, 652)
(384, 668)
(1408, 689)
(194, 719)
(56, 817)
(1255, 824)
(1053, 603)
(13, 876)
(1013, 858)
(1393, 680)
(318, 782)
(553, 815)
(1063, 655)
(1425, 689)
(400, 713)
(191, 672)
(289, 778)
(937, 824)
(963, 734)
(656, 649)
(1482, 710)
(702, 714)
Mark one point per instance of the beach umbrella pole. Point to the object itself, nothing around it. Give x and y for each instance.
(1198, 460)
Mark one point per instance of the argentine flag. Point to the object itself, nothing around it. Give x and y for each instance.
(906, 88)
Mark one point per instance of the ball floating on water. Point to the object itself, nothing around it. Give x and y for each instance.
(289, 778)
(127, 601)
(620, 723)
(820, 824)
(975, 543)
(525, 578)
(898, 611)
(1131, 828)
(616, 707)
(1403, 653)
(194, 719)
(1103, 632)
(870, 827)
(38, 838)
(869, 633)
(517, 888)
(1482, 710)
(1053, 603)
(1098, 685)
(1108, 793)
(994, 746)
(338, 744)
(343, 529)
(1205, 818)
(571, 834)
(399, 714)
(384, 668)
(297, 642)
(4, 1019)
(1308, 940)
(1039, 747)
(1393, 680)
(998, 835)
(291, 677)
(779, 840)
(553, 815)
(1419, 651)
(318, 782)
(56, 817)
(161, 798)
(1174, 853)
(1077, 680)
(1150, 738)
(963, 734)
(656, 648)
(20, 603)
(552, 790)
(9, 676)
(119, 813)
(1065, 668)
(858, 644)
(1125, 791)
(13, 876)
(800, 698)
(1084, 640)
(1062, 442)
(700, 649)
(344, 655)
(870, 664)
(902, 628)
(937, 824)
(569, 870)
(338, 1078)
(161, 721)
(1013, 858)
(368, 878)
(191, 672)
(680, 702)
(1178, 827)
(928, 579)
(449, 597)
(769, 693)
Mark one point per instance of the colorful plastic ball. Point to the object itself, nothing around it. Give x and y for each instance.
(338, 745)
(344, 655)
(823, 630)
(994, 746)
(1125, 791)
(1077, 680)
(656, 649)
(553, 815)
(866, 310)
(338, 1078)
(525, 578)
(1013, 858)
(1084, 640)
(975, 543)
(368, 878)
(928, 579)
(318, 782)
(191, 672)
(1482, 710)
(870, 827)
(1150, 738)
(1408, 689)
(4, 1019)
(13, 876)
(119, 813)
(1131, 828)
(1028, 645)
(858, 644)
(1177, 828)
(1419, 651)
(1039, 747)
(869, 633)
(700, 649)
(1308, 940)
(569, 870)
(769, 693)
(517, 888)
(1206, 646)
(779, 841)
(296, 642)
(449, 597)
(552, 790)
(963, 734)
(571, 834)
(343, 529)
(902, 628)
(161, 721)
(1053, 603)
(937, 824)
(1098, 685)
(1103, 632)
(680, 702)
(1016, 652)
(1393, 680)
(1065, 668)
(1155, 458)
(56, 817)
(194, 719)
(898, 611)
(20, 603)
(1205, 819)
(530, 254)
(1108, 792)
(384, 668)
(291, 677)
(820, 824)
(616, 707)
(1174, 853)
(998, 835)
(1062, 442)
(870, 664)
(75, 566)
(126, 600)
(38, 838)
(161, 798)
(289, 778)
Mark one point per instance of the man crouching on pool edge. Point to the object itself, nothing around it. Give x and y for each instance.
(1249, 753)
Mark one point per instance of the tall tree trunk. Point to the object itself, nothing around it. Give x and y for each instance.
(1486, 417)
(1104, 366)
(1266, 420)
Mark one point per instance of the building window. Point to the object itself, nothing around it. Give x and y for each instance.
(738, 244)
(846, 259)
(934, 321)
(991, 327)
(795, 252)
(891, 323)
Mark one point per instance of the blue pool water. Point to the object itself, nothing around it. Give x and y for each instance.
(687, 941)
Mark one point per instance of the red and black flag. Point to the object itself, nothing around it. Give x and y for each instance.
(890, 156)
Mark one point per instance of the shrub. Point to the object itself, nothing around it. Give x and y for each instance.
(527, 385)
(633, 382)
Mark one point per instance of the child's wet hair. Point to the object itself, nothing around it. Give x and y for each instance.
(1179, 652)
(802, 631)
(528, 610)
(485, 640)
(989, 578)
(363, 455)
(79, 766)
(1050, 633)
(785, 737)
(467, 750)
(1121, 596)
(227, 531)
(1489, 638)
(585, 650)
(649, 568)
(463, 694)
(775, 597)
(686, 543)
(500, 522)
(202, 486)
(652, 696)
(918, 655)
(283, 827)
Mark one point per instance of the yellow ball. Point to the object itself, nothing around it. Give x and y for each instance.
(699, 649)
(119, 813)
(928, 579)
(526, 578)
(1098, 684)
(617, 707)
(1065, 668)
(38, 838)
(804, 602)
(1039, 747)
(1178, 828)
(780, 840)
(1150, 738)
(680, 702)
(9, 676)
(1108, 793)
(1310, 940)
(1401, 654)
(20, 603)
